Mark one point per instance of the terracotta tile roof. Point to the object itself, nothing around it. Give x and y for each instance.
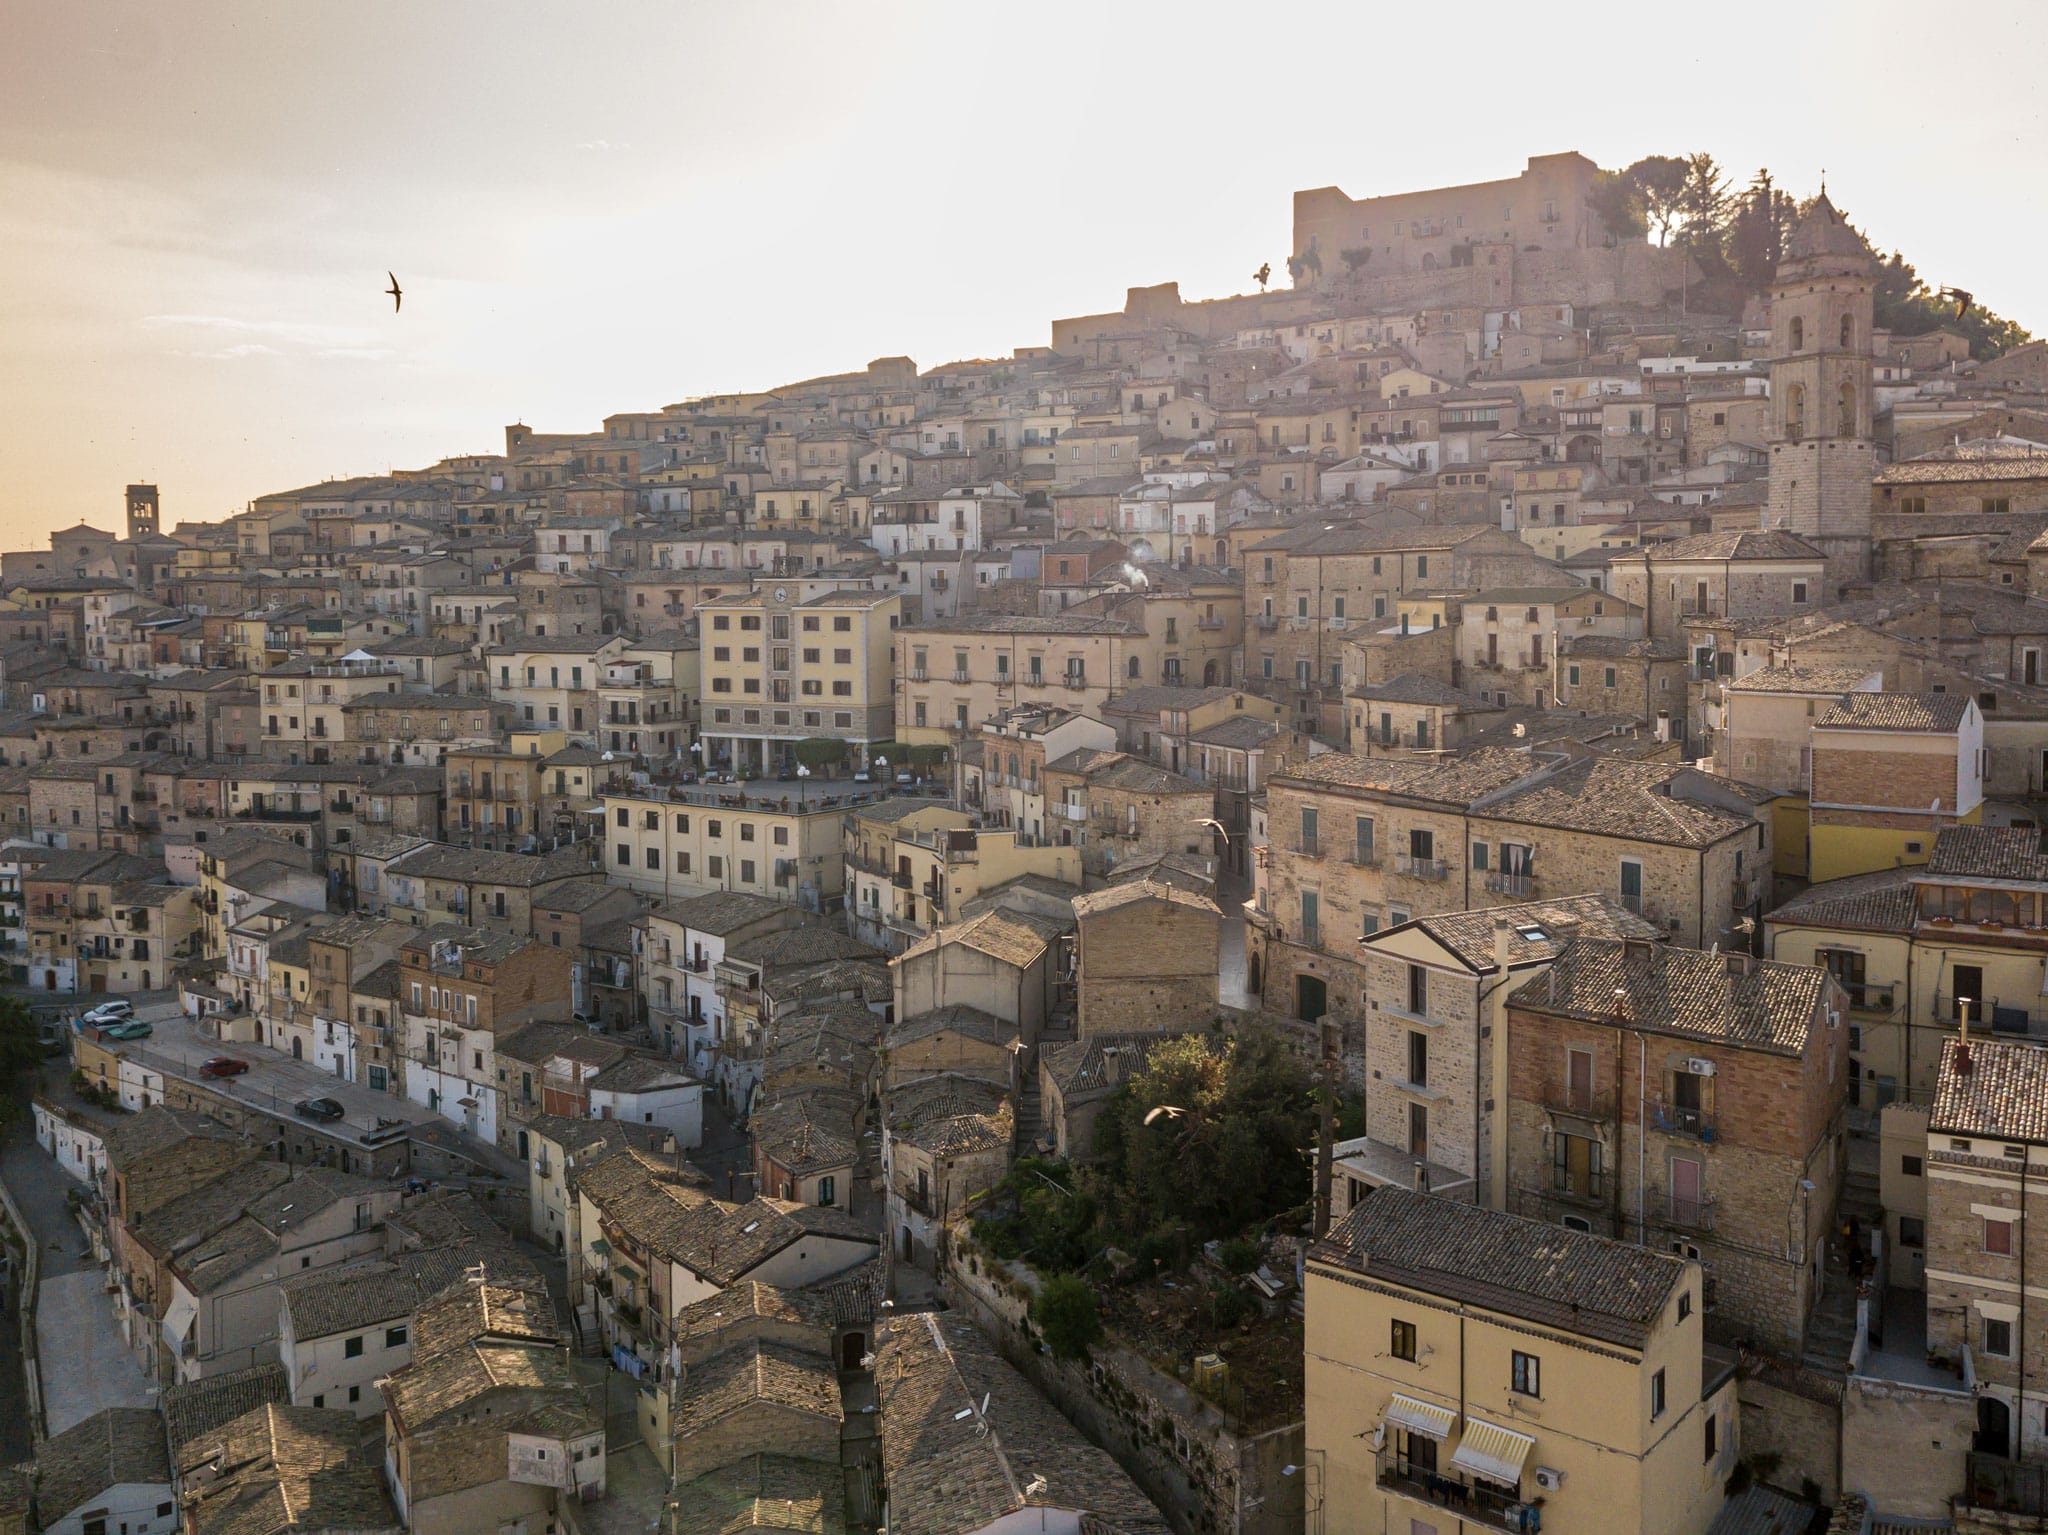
(1538, 930)
(1617, 797)
(1803, 679)
(1101, 1063)
(114, 1445)
(1687, 993)
(1939, 713)
(1128, 892)
(2017, 853)
(1414, 688)
(803, 1135)
(192, 1408)
(755, 1371)
(1016, 938)
(1455, 780)
(1878, 903)
(762, 1492)
(956, 1018)
(2004, 1094)
(284, 1469)
(1589, 1285)
(1745, 544)
(952, 1468)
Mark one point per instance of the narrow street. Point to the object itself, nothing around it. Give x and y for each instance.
(85, 1364)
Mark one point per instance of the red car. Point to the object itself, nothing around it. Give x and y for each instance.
(223, 1066)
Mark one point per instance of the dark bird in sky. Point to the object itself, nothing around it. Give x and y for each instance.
(1263, 275)
(397, 294)
(1963, 300)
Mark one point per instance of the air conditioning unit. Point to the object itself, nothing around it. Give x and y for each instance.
(1549, 1478)
(1696, 1066)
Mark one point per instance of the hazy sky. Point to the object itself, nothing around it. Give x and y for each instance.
(611, 206)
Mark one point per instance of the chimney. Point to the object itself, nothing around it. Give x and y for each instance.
(1503, 946)
(1421, 1177)
(1963, 1065)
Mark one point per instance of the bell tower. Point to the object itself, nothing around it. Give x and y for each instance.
(1822, 456)
(141, 511)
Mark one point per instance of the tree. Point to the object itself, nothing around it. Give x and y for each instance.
(1618, 204)
(1660, 182)
(1757, 226)
(820, 752)
(1229, 1157)
(1906, 306)
(1064, 1310)
(20, 1051)
(1357, 256)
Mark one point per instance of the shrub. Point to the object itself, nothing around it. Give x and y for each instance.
(1240, 1255)
(1065, 1314)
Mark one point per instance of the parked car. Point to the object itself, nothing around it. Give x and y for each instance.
(110, 1012)
(320, 1108)
(223, 1066)
(132, 1028)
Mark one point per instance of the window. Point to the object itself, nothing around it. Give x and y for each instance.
(1525, 1374)
(1657, 1395)
(1997, 1337)
(1418, 1057)
(1912, 1231)
(1910, 1167)
(353, 1348)
(1799, 591)
(1403, 1346)
(1713, 1438)
(1684, 1304)
(1632, 885)
(1998, 1237)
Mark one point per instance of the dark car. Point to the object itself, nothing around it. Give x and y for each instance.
(223, 1066)
(320, 1108)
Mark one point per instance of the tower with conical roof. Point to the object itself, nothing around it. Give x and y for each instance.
(1822, 456)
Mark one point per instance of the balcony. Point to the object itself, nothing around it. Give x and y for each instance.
(1596, 1104)
(918, 1199)
(1682, 1119)
(1265, 620)
(1517, 887)
(1421, 868)
(1208, 623)
(1075, 680)
(1469, 1502)
(1309, 847)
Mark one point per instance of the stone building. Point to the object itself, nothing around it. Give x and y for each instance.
(1146, 957)
(1642, 678)
(1436, 992)
(1738, 575)
(1725, 1144)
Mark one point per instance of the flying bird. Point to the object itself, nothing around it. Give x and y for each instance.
(1217, 827)
(1165, 1111)
(1963, 300)
(397, 294)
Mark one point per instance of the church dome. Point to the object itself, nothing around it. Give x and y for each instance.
(1822, 231)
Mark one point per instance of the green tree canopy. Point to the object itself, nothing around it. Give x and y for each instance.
(1064, 1310)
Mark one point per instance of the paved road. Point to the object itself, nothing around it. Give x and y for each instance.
(276, 1083)
(85, 1364)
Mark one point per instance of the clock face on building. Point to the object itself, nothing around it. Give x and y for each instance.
(781, 594)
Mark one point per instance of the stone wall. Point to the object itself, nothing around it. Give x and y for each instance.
(1795, 1416)
(1903, 1446)
(1207, 1473)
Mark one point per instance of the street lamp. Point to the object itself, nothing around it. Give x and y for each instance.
(802, 773)
(698, 748)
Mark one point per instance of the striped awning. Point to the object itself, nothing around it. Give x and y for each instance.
(1495, 1453)
(1424, 1418)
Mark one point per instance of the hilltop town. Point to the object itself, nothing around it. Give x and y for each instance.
(1072, 938)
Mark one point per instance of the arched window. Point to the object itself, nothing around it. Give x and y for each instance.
(1845, 410)
(1848, 332)
(1134, 668)
(1798, 333)
(1795, 409)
